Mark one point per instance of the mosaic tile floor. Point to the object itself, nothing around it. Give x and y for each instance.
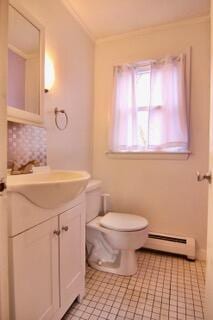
(165, 287)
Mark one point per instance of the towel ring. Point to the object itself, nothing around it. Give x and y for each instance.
(57, 112)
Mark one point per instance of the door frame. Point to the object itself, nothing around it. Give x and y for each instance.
(4, 274)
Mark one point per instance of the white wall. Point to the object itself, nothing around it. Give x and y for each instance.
(73, 53)
(164, 191)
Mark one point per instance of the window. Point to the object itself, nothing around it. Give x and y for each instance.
(150, 107)
(142, 91)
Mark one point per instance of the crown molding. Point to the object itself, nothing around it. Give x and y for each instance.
(69, 7)
(133, 33)
(160, 27)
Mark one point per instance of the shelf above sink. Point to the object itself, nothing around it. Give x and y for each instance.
(49, 189)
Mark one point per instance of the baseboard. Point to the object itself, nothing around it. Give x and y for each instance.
(172, 243)
(175, 244)
(201, 254)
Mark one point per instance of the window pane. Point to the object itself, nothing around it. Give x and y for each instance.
(143, 128)
(143, 88)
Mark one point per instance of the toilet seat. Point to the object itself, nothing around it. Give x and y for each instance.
(123, 222)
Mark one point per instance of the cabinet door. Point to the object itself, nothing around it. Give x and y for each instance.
(72, 253)
(35, 271)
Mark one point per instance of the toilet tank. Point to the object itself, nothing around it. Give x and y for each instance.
(93, 199)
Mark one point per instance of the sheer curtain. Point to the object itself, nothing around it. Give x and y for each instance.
(168, 127)
(124, 136)
(167, 110)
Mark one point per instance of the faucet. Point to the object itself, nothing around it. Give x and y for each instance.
(23, 169)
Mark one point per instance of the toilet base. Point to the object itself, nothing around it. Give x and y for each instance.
(125, 264)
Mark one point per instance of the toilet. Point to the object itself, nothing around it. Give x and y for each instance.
(111, 239)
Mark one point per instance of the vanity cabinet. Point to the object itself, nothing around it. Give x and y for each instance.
(72, 261)
(48, 266)
(35, 270)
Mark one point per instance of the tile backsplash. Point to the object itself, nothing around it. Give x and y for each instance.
(26, 142)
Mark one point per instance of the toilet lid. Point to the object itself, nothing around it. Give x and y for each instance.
(123, 222)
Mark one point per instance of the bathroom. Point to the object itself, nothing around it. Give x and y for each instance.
(83, 41)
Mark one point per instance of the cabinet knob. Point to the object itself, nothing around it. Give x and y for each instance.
(65, 228)
(57, 232)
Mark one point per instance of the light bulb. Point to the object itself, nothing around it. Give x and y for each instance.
(49, 73)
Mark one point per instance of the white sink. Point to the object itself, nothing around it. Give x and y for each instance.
(49, 189)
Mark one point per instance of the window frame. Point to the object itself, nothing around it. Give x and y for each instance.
(155, 154)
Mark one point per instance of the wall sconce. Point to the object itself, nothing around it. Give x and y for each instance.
(49, 73)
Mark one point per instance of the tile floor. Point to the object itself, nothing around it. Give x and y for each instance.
(165, 287)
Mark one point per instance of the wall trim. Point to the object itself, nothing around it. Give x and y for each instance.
(201, 254)
(138, 32)
(148, 155)
(160, 27)
(74, 14)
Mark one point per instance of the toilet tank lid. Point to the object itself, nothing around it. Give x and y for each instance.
(93, 184)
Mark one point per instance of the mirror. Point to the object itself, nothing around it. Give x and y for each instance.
(25, 61)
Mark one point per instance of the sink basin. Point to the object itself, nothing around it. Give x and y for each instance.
(49, 189)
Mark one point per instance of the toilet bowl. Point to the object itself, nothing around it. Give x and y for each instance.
(112, 239)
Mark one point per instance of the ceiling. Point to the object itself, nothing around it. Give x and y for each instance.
(104, 18)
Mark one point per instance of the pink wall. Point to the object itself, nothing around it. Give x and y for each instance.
(72, 52)
(166, 192)
(16, 80)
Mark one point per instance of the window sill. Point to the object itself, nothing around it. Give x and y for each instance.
(149, 155)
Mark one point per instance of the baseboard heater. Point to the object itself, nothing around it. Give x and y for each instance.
(170, 243)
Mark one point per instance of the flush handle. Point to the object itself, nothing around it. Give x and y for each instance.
(65, 228)
(207, 176)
